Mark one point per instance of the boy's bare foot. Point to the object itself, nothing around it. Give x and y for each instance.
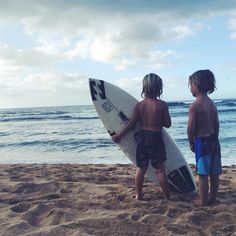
(137, 197)
(211, 202)
(198, 203)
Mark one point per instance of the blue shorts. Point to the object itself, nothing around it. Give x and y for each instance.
(208, 155)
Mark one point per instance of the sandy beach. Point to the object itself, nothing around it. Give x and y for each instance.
(73, 199)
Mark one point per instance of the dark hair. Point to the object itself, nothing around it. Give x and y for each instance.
(204, 80)
(152, 86)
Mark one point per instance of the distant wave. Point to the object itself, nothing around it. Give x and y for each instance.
(40, 113)
(69, 144)
(3, 134)
(228, 139)
(226, 110)
(41, 118)
(228, 102)
(177, 114)
(177, 104)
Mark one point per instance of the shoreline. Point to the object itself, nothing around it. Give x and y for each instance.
(97, 199)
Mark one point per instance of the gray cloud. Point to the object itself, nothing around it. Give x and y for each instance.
(48, 7)
(100, 16)
(124, 29)
(124, 33)
(45, 89)
(14, 61)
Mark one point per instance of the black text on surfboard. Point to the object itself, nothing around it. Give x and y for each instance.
(107, 106)
(97, 89)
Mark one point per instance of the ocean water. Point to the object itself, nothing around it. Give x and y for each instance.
(74, 134)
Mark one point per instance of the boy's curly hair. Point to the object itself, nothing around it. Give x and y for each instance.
(152, 86)
(204, 80)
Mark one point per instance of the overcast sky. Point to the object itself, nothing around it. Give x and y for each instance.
(49, 48)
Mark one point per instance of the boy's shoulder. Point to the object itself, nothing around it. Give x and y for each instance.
(162, 101)
(195, 105)
(198, 104)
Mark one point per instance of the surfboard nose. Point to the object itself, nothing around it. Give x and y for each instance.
(92, 79)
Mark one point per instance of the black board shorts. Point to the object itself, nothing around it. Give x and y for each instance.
(150, 146)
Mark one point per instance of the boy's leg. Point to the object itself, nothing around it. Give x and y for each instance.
(203, 185)
(216, 170)
(163, 181)
(214, 185)
(139, 179)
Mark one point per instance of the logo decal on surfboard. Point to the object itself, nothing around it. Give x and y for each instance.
(97, 89)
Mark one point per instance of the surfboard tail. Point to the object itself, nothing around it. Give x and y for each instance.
(181, 181)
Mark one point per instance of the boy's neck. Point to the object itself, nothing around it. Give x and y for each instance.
(151, 98)
(201, 95)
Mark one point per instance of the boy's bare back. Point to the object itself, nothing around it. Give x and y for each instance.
(154, 114)
(206, 118)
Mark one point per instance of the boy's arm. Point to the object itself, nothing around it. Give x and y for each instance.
(127, 126)
(191, 125)
(167, 119)
(216, 123)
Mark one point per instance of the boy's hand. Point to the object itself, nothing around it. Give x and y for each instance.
(192, 147)
(115, 138)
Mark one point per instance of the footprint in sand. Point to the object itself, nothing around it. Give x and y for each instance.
(34, 215)
(136, 216)
(180, 229)
(155, 219)
(16, 227)
(27, 188)
(21, 207)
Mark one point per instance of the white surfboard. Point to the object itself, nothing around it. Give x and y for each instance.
(114, 107)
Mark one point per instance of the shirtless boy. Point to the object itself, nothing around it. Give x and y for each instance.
(153, 114)
(203, 132)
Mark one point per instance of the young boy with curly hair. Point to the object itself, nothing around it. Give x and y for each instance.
(203, 132)
(153, 114)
